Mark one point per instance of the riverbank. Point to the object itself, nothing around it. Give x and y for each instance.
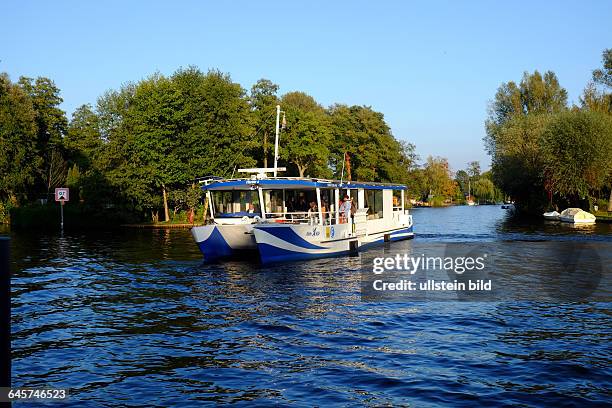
(161, 225)
(601, 216)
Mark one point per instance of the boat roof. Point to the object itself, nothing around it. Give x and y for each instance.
(281, 183)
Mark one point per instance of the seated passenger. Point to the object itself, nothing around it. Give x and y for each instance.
(312, 210)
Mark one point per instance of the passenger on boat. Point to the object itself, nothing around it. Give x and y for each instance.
(312, 210)
(324, 209)
(345, 210)
(302, 205)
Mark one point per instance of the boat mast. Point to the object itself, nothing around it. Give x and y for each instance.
(276, 140)
(469, 189)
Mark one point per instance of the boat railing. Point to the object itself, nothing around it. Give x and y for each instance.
(303, 217)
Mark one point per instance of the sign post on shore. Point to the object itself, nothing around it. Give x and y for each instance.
(62, 195)
(5, 313)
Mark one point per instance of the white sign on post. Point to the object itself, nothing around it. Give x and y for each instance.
(62, 194)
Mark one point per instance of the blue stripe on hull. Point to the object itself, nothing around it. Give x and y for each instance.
(288, 235)
(270, 254)
(215, 247)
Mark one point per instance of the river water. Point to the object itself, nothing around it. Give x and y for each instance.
(134, 318)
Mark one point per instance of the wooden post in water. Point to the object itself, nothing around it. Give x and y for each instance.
(5, 313)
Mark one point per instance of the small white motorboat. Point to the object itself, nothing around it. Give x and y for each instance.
(576, 216)
(551, 216)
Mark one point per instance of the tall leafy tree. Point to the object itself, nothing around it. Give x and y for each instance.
(374, 153)
(83, 140)
(305, 141)
(18, 159)
(484, 189)
(462, 178)
(604, 75)
(263, 101)
(517, 119)
(217, 134)
(578, 148)
(473, 169)
(438, 177)
(51, 125)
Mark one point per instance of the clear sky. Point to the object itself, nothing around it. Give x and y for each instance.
(431, 67)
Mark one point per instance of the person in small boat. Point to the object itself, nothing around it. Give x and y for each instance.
(251, 209)
(345, 209)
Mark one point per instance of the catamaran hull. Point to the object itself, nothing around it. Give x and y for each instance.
(224, 241)
(283, 243)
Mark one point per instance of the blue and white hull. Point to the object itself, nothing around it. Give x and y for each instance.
(224, 241)
(290, 242)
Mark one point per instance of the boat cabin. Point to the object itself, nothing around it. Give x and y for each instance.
(299, 200)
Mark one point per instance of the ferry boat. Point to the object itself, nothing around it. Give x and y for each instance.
(292, 218)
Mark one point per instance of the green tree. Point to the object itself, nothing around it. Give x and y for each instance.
(83, 140)
(604, 75)
(217, 134)
(484, 189)
(596, 100)
(517, 119)
(307, 137)
(375, 155)
(263, 101)
(518, 161)
(536, 94)
(578, 151)
(19, 162)
(473, 170)
(161, 133)
(438, 178)
(51, 125)
(462, 178)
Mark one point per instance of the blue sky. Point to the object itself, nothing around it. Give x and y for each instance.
(430, 67)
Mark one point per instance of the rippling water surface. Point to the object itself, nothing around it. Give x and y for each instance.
(134, 318)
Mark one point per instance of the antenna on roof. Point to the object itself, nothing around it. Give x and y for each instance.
(278, 112)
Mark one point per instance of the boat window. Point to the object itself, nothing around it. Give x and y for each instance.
(296, 203)
(355, 197)
(236, 203)
(327, 206)
(353, 193)
(273, 203)
(374, 202)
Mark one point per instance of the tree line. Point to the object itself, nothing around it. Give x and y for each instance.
(140, 148)
(547, 154)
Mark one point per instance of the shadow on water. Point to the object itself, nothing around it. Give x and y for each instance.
(134, 317)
